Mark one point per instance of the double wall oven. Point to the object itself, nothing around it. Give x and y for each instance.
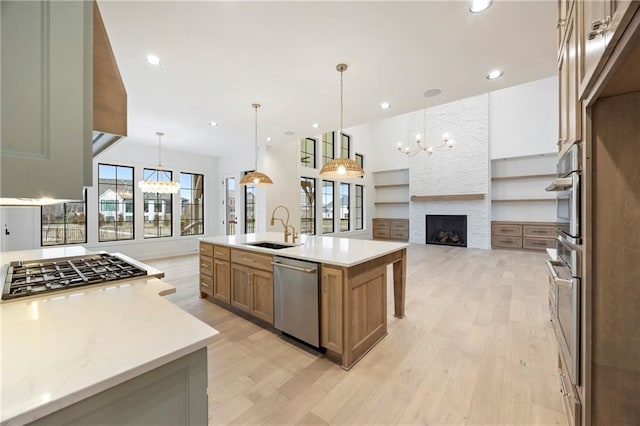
(566, 271)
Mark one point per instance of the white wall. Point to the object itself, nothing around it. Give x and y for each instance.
(523, 119)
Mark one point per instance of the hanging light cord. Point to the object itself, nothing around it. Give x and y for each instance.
(255, 135)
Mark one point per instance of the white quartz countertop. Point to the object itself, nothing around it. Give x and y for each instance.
(330, 250)
(60, 348)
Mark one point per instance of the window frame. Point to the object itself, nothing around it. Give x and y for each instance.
(246, 204)
(348, 198)
(304, 151)
(64, 223)
(332, 201)
(311, 208)
(157, 200)
(345, 138)
(326, 156)
(202, 208)
(359, 218)
(359, 158)
(133, 202)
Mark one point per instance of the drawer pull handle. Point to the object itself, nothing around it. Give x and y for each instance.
(204, 265)
(203, 284)
(563, 389)
(220, 253)
(248, 259)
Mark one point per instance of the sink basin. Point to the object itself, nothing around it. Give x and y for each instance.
(270, 245)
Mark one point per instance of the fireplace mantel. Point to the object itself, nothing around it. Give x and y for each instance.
(449, 197)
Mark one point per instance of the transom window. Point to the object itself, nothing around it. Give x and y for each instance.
(327, 147)
(308, 152)
(345, 147)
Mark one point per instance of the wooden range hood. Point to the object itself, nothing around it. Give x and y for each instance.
(109, 94)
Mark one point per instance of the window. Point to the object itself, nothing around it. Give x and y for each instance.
(360, 160)
(345, 192)
(249, 208)
(158, 207)
(191, 204)
(345, 147)
(115, 203)
(359, 207)
(230, 205)
(308, 152)
(307, 205)
(327, 206)
(64, 223)
(327, 147)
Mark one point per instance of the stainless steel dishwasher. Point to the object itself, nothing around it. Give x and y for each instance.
(296, 298)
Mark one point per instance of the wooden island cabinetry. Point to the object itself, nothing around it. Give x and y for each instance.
(352, 285)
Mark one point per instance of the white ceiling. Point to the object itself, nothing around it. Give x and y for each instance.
(220, 57)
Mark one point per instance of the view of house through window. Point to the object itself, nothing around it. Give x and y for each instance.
(230, 205)
(249, 208)
(64, 223)
(307, 205)
(158, 207)
(191, 204)
(308, 152)
(115, 202)
(359, 207)
(345, 193)
(327, 206)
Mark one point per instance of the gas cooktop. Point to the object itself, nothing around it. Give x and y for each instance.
(34, 277)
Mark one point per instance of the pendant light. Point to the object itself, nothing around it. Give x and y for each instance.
(341, 168)
(446, 145)
(255, 177)
(159, 186)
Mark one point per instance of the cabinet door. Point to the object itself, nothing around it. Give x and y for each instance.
(571, 106)
(222, 280)
(593, 23)
(262, 295)
(46, 131)
(331, 309)
(241, 287)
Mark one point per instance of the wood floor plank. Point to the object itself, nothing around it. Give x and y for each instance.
(476, 347)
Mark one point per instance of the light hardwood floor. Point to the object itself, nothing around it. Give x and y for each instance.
(476, 347)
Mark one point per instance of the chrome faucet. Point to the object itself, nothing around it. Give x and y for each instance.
(285, 224)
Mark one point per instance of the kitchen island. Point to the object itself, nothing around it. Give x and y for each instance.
(353, 284)
(116, 353)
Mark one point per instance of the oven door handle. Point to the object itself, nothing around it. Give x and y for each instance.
(554, 275)
(560, 184)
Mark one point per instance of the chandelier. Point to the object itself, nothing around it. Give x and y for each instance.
(159, 186)
(446, 145)
(255, 177)
(341, 168)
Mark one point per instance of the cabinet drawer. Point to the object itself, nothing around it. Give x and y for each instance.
(508, 230)
(400, 225)
(206, 249)
(380, 224)
(538, 243)
(254, 260)
(206, 284)
(506, 242)
(221, 252)
(380, 233)
(538, 231)
(569, 393)
(399, 235)
(206, 265)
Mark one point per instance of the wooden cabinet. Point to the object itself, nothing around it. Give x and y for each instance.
(523, 235)
(46, 132)
(391, 229)
(206, 269)
(331, 309)
(222, 280)
(570, 395)
(570, 119)
(252, 283)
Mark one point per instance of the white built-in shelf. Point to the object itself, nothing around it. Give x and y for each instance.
(390, 202)
(546, 175)
(521, 200)
(395, 185)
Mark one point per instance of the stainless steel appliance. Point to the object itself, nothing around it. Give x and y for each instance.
(34, 277)
(567, 186)
(296, 299)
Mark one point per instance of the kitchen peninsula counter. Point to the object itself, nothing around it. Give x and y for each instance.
(61, 349)
(353, 280)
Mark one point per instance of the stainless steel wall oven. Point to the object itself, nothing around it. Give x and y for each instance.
(567, 187)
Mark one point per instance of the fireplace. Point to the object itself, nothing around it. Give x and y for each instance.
(447, 230)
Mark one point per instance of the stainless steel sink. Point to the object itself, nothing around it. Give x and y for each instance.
(270, 245)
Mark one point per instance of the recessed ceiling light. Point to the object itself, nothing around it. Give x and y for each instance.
(495, 74)
(213, 123)
(153, 60)
(385, 105)
(479, 5)
(431, 93)
(315, 125)
(268, 139)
